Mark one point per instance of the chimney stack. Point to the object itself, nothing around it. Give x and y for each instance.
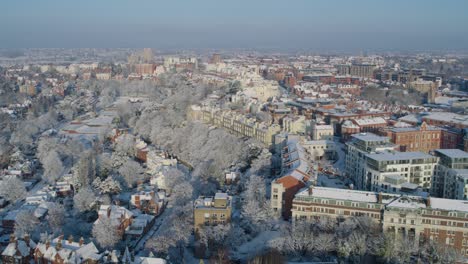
(81, 241)
(27, 239)
(380, 197)
(428, 201)
(311, 190)
(12, 238)
(58, 246)
(47, 244)
(70, 239)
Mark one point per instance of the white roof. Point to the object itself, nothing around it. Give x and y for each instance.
(392, 156)
(343, 194)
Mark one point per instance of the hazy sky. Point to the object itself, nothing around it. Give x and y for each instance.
(344, 25)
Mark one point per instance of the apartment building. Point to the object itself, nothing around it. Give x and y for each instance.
(238, 124)
(212, 210)
(360, 70)
(415, 167)
(295, 172)
(357, 148)
(416, 218)
(450, 175)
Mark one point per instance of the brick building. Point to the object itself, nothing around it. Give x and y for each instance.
(417, 218)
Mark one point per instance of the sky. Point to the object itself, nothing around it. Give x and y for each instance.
(315, 25)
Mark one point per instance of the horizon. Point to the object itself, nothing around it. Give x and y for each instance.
(317, 26)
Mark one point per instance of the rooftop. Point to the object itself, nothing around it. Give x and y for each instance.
(369, 137)
(392, 156)
(453, 153)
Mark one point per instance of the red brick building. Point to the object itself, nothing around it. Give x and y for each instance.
(424, 138)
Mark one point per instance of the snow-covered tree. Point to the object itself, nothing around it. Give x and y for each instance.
(125, 145)
(25, 223)
(256, 208)
(53, 167)
(84, 200)
(105, 233)
(132, 172)
(107, 186)
(56, 216)
(84, 171)
(12, 189)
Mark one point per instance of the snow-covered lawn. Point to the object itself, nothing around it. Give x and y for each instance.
(258, 244)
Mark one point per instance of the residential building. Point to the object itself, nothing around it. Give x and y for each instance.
(320, 149)
(322, 132)
(360, 70)
(357, 148)
(120, 217)
(59, 251)
(414, 167)
(18, 251)
(212, 210)
(295, 172)
(416, 218)
(238, 124)
(423, 138)
(147, 201)
(294, 124)
(449, 176)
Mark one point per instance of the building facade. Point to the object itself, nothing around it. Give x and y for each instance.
(212, 211)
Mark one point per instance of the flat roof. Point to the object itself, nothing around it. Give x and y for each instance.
(453, 153)
(369, 137)
(398, 156)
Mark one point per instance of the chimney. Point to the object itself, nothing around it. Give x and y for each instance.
(26, 239)
(380, 197)
(12, 238)
(47, 244)
(108, 212)
(70, 239)
(58, 246)
(428, 201)
(81, 241)
(311, 190)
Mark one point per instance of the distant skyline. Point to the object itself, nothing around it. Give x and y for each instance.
(313, 25)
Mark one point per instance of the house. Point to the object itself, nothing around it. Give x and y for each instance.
(231, 177)
(120, 217)
(140, 225)
(148, 201)
(59, 251)
(18, 251)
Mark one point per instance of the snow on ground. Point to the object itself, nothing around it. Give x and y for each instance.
(330, 181)
(258, 244)
(340, 162)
